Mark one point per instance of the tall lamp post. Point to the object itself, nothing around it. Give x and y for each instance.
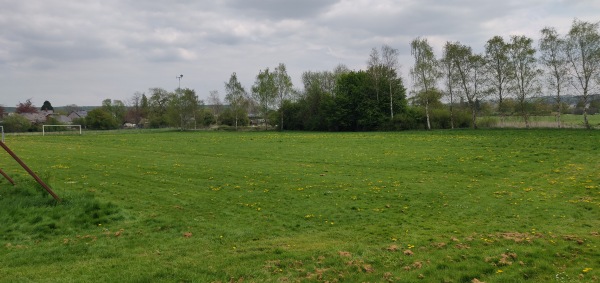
(179, 78)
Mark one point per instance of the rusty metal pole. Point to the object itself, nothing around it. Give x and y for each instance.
(7, 177)
(16, 158)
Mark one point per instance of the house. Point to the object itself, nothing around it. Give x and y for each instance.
(77, 114)
(36, 118)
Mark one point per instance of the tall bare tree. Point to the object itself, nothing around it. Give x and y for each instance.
(448, 72)
(284, 86)
(470, 75)
(375, 69)
(215, 104)
(389, 58)
(526, 73)
(425, 72)
(583, 53)
(554, 58)
(499, 70)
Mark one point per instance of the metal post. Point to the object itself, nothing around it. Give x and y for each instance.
(7, 177)
(16, 158)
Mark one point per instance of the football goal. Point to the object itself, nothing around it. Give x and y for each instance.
(2, 127)
(69, 127)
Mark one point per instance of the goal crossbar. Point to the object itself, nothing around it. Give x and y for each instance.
(44, 128)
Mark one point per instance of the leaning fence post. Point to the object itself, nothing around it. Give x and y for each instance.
(16, 158)
(7, 177)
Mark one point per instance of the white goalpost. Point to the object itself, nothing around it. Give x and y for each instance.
(44, 128)
(2, 127)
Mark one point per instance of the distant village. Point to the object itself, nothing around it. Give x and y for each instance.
(45, 115)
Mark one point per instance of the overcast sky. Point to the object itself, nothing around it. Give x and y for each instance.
(82, 52)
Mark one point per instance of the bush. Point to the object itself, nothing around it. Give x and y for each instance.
(16, 123)
(100, 119)
(487, 122)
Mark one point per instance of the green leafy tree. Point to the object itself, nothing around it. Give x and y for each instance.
(355, 106)
(553, 56)
(47, 106)
(236, 96)
(425, 72)
(264, 92)
(583, 54)
(144, 106)
(157, 107)
(101, 119)
(183, 108)
(116, 108)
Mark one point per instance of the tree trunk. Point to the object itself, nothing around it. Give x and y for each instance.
(281, 126)
(474, 116)
(236, 119)
(427, 113)
(391, 103)
(586, 123)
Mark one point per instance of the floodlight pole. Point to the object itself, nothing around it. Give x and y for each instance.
(179, 78)
(16, 158)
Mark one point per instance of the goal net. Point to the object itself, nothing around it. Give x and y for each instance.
(55, 128)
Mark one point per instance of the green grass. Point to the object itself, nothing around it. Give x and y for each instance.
(439, 206)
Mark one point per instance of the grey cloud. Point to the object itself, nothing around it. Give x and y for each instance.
(277, 9)
(115, 47)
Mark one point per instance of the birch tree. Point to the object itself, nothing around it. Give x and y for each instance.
(498, 69)
(389, 58)
(214, 100)
(284, 86)
(553, 56)
(470, 75)
(448, 72)
(425, 72)
(235, 96)
(522, 60)
(264, 92)
(583, 54)
(375, 69)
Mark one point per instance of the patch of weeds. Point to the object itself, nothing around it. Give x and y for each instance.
(28, 212)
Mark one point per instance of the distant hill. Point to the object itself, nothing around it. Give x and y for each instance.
(56, 109)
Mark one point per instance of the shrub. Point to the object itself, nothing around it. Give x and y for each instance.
(16, 123)
(487, 122)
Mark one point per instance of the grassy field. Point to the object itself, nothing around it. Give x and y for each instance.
(438, 206)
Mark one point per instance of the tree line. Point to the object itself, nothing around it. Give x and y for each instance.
(510, 69)
(447, 92)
